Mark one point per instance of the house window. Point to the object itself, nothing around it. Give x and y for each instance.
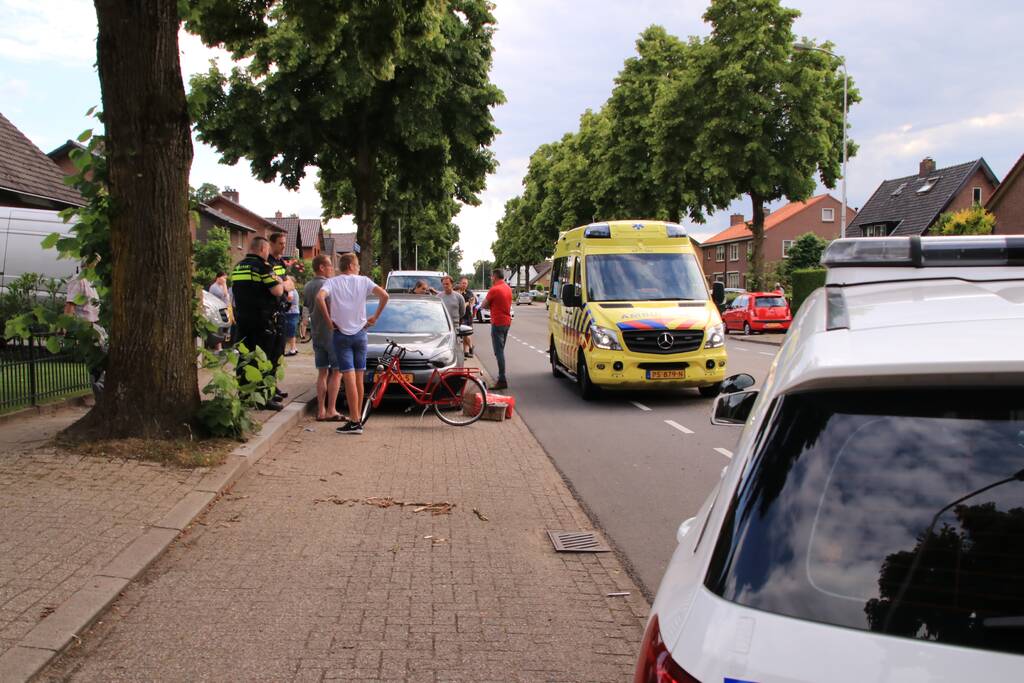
(786, 246)
(899, 190)
(719, 277)
(734, 251)
(929, 184)
(977, 195)
(828, 215)
(732, 279)
(707, 254)
(720, 253)
(880, 230)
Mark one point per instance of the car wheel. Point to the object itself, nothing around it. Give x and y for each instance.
(746, 329)
(725, 327)
(711, 391)
(553, 357)
(588, 390)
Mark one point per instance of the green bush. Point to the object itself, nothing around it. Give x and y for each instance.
(226, 412)
(805, 281)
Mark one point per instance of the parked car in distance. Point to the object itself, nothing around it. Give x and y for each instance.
(869, 525)
(402, 281)
(483, 315)
(22, 232)
(754, 312)
(422, 325)
(524, 298)
(216, 311)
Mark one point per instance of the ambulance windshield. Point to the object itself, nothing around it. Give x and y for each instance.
(644, 277)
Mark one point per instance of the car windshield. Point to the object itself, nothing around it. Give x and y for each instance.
(405, 283)
(895, 512)
(770, 301)
(644, 277)
(404, 316)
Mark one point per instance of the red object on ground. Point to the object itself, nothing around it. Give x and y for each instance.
(758, 312)
(501, 400)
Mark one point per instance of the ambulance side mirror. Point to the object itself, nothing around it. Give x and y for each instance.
(718, 293)
(571, 295)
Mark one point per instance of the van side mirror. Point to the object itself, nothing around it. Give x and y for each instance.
(718, 292)
(733, 409)
(571, 295)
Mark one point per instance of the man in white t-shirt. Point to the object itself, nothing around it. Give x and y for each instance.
(342, 303)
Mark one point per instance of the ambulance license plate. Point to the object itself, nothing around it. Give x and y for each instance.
(666, 374)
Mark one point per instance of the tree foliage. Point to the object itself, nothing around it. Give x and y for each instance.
(211, 256)
(805, 252)
(386, 99)
(203, 194)
(971, 221)
(689, 127)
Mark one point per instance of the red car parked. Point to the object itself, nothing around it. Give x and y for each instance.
(758, 312)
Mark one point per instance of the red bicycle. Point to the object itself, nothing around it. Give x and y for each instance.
(457, 395)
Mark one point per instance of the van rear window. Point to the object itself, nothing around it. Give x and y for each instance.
(894, 512)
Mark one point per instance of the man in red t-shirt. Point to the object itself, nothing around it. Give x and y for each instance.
(499, 302)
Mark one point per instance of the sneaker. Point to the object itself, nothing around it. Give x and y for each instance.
(280, 394)
(350, 428)
(273, 405)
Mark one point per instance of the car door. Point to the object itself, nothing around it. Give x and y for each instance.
(734, 312)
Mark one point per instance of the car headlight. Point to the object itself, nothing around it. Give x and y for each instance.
(442, 360)
(715, 336)
(604, 338)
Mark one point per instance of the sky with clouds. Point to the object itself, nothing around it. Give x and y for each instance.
(938, 78)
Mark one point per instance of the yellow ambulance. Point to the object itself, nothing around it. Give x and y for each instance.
(630, 309)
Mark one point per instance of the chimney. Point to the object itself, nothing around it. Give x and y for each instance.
(735, 218)
(231, 194)
(927, 167)
(278, 214)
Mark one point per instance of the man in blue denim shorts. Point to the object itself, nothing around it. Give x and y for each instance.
(328, 379)
(346, 295)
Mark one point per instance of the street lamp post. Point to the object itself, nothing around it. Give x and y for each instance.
(846, 86)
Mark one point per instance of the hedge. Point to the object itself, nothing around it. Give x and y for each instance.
(805, 281)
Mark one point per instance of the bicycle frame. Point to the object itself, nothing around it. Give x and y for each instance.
(392, 372)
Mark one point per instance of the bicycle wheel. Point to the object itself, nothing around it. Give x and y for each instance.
(467, 403)
(370, 399)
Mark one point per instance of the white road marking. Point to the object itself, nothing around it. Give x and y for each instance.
(724, 451)
(765, 353)
(532, 347)
(676, 425)
(641, 406)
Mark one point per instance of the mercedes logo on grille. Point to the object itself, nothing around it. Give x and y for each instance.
(665, 341)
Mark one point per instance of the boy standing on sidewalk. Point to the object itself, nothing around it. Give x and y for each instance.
(347, 317)
(499, 301)
(328, 379)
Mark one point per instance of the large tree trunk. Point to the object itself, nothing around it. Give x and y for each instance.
(388, 245)
(366, 202)
(151, 385)
(757, 257)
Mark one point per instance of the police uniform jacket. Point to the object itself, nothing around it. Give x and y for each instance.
(251, 282)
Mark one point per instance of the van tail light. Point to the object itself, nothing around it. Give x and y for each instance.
(656, 664)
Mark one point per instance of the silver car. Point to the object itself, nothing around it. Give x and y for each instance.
(422, 325)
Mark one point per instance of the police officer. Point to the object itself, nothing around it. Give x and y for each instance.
(280, 269)
(257, 291)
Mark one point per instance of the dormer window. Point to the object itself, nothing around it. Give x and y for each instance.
(929, 184)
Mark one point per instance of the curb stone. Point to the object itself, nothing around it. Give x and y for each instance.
(756, 340)
(53, 634)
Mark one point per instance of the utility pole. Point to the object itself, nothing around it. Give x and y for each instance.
(399, 243)
(417, 266)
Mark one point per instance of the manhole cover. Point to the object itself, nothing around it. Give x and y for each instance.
(577, 542)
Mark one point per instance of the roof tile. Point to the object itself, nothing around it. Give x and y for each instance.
(25, 168)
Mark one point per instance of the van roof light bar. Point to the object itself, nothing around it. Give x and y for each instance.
(675, 230)
(925, 252)
(598, 230)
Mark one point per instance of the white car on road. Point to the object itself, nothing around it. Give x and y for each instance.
(870, 526)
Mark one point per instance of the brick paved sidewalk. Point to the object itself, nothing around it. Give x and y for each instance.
(65, 516)
(274, 585)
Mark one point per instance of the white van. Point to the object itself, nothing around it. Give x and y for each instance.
(22, 232)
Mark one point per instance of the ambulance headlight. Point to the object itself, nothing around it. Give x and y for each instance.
(604, 338)
(715, 337)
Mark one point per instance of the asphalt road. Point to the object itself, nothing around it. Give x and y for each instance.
(641, 462)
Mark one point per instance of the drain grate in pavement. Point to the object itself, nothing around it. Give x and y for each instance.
(577, 542)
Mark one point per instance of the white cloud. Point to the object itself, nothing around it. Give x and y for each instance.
(477, 223)
(61, 31)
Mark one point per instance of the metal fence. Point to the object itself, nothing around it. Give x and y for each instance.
(30, 374)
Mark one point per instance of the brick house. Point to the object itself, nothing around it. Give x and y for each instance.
(911, 205)
(726, 256)
(305, 236)
(28, 178)
(337, 244)
(238, 232)
(1007, 202)
(227, 205)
